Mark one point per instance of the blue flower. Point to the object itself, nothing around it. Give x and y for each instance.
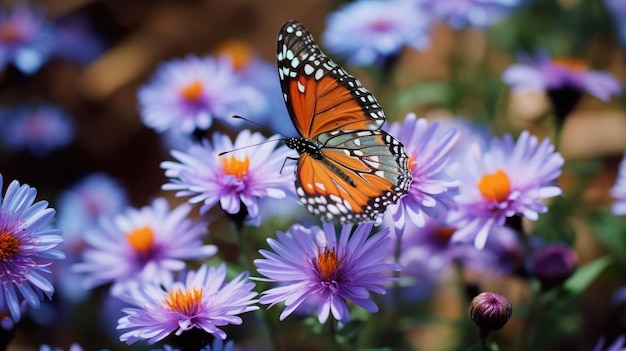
(146, 244)
(371, 32)
(510, 178)
(543, 73)
(465, 13)
(316, 263)
(27, 248)
(204, 300)
(26, 39)
(188, 94)
(240, 177)
(39, 129)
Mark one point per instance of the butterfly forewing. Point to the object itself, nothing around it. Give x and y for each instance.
(319, 94)
(349, 170)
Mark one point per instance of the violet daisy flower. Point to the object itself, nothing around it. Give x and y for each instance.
(27, 248)
(240, 177)
(465, 13)
(372, 32)
(429, 153)
(39, 129)
(563, 79)
(146, 244)
(618, 191)
(26, 39)
(81, 206)
(511, 178)
(204, 301)
(315, 263)
(187, 94)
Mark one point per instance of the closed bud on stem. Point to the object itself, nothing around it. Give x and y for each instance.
(490, 311)
(553, 264)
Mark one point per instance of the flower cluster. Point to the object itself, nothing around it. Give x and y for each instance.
(186, 185)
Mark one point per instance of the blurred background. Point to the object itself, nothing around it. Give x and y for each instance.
(113, 47)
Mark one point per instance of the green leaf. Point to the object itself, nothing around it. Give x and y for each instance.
(424, 93)
(584, 276)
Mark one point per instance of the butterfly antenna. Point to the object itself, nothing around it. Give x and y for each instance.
(257, 124)
(247, 146)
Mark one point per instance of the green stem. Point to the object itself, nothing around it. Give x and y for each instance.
(483, 334)
(246, 261)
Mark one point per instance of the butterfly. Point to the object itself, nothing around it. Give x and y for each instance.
(348, 170)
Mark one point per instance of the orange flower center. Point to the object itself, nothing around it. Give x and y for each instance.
(443, 234)
(187, 302)
(193, 91)
(9, 245)
(141, 239)
(235, 167)
(495, 186)
(239, 52)
(570, 64)
(327, 262)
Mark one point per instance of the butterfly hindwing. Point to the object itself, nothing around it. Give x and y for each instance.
(319, 94)
(346, 184)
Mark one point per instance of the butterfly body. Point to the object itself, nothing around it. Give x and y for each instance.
(349, 170)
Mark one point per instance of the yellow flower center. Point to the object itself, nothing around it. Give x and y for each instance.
(235, 167)
(141, 239)
(495, 186)
(9, 245)
(187, 302)
(570, 64)
(193, 91)
(239, 52)
(327, 262)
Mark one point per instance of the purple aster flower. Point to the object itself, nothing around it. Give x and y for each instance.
(242, 176)
(316, 263)
(26, 39)
(204, 301)
(39, 129)
(511, 178)
(618, 191)
(146, 244)
(76, 39)
(563, 79)
(187, 94)
(544, 73)
(475, 13)
(261, 75)
(372, 32)
(27, 250)
(81, 206)
(79, 209)
(429, 152)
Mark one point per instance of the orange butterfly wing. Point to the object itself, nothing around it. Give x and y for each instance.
(349, 170)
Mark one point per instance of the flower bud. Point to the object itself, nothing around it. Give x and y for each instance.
(553, 264)
(490, 311)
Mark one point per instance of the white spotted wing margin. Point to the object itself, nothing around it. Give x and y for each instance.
(298, 55)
